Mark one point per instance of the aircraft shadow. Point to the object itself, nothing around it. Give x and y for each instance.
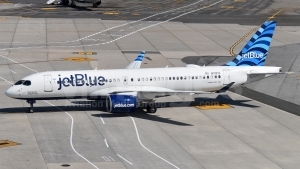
(140, 112)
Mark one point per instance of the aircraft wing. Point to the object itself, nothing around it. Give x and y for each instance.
(150, 92)
(136, 64)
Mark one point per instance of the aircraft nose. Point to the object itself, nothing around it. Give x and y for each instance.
(11, 92)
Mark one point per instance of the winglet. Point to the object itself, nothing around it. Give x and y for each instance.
(136, 64)
(140, 57)
(225, 88)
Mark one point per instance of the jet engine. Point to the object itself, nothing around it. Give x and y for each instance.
(121, 103)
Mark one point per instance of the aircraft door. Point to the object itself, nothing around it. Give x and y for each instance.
(48, 83)
(125, 80)
(226, 77)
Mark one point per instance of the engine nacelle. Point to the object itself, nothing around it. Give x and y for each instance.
(121, 103)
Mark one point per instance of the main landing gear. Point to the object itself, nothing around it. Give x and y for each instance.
(151, 107)
(31, 102)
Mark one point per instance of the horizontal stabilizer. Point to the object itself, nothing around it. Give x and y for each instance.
(288, 73)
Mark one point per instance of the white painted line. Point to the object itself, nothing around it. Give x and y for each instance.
(137, 134)
(6, 80)
(13, 71)
(106, 143)
(71, 135)
(131, 33)
(109, 28)
(72, 124)
(101, 117)
(125, 159)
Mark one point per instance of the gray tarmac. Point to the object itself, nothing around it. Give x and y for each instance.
(82, 134)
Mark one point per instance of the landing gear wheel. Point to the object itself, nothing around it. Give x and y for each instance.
(73, 4)
(30, 110)
(65, 2)
(31, 102)
(98, 3)
(151, 109)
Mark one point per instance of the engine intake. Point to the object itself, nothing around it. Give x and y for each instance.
(121, 103)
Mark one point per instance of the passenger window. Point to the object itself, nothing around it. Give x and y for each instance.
(142, 79)
(181, 78)
(118, 80)
(196, 77)
(215, 76)
(154, 78)
(146, 79)
(139, 79)
(132, 79)
(158, 79)
(27, 83)
(114, 80)
(189, 77)
(173, 78)
(200, 77)
(203, 77)
(177, 78)
(192, 77)
(150, 78)
(19, 82)
(184, 77)
(219, 76)
(109, 80)
(207, 77)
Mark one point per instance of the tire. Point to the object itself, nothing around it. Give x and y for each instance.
(30, 110)
(151, 109)
(65, 2)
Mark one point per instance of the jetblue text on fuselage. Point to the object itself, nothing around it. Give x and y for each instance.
(80, 80)
(252, 55)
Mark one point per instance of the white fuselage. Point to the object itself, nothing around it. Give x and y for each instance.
(95, 83)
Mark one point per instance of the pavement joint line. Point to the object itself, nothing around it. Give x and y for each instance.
(72, 123)
(118, 25)
(207, 115)
(124, 159)
(158, 23)
(138, 137)
(250, 32)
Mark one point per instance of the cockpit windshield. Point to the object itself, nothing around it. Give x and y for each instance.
(24, 82)
(19, 82)
(27, 83)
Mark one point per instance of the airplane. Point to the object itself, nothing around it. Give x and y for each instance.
(96, 3)
(127, 89)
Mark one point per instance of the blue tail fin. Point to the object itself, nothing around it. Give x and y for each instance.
(256, 50)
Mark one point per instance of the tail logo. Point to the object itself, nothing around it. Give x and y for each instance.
(252, 55)
(256, 50)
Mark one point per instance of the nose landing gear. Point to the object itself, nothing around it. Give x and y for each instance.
(31, 102)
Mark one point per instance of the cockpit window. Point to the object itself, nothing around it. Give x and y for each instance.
(19, 82)
(27, 83)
